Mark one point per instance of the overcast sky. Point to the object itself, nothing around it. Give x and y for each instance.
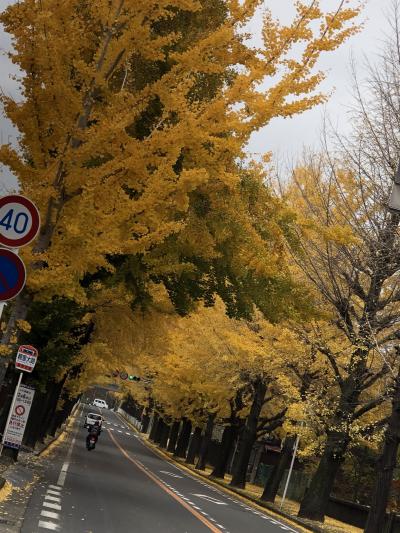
(286, 138)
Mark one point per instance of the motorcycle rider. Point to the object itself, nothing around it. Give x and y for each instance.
(94, 431)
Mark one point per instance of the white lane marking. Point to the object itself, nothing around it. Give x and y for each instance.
(50, 514)
(111, 429)
(210, 499)
(65, 466)
(53, 492)
(50, 505)
(127, 433)
(119, 431)
(50, 498)
(49, 525)
(170, 474)
(56, 487)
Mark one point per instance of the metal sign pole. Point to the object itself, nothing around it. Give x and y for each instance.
(10, 412)
(291, 468)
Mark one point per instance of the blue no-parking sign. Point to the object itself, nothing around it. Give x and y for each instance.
(12, 275)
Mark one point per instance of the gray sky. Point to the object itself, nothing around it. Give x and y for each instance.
(287, 137)
(284, 137)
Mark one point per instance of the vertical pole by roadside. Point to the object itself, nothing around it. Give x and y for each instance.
(10, 412)
(290, 470)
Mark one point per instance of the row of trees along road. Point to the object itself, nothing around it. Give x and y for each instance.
(161, 252)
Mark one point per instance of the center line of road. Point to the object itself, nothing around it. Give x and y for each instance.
(156, 480)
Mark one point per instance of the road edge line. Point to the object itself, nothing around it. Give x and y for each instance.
(230, 491)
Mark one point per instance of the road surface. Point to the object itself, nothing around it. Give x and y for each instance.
(123, 486)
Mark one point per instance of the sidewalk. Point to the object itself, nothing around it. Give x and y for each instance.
(20, 478)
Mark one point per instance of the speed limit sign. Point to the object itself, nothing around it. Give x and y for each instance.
(19, 221)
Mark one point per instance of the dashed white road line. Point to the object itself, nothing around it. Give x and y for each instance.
(54, 506)
(53, 492)
(50, 498)
(49, 525)
(49, 514)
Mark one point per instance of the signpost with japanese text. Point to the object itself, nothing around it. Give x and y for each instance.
(21, 403)
(15, 428)
(26, 358)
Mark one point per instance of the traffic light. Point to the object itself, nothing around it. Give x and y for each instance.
(133, 378)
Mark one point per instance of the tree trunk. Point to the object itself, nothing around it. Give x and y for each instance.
(54, 390)
(154, 427)
(34, 420)
(183, 439)
(173, 436)
(228, 440)
(316, 499)
(164, 436)
(205, 443)
(385, 467)
(145, 422)
(272, 484)
(248, 436)
(194, 446)
(159, 431)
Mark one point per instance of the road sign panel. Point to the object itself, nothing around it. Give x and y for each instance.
(12, 275)
(19, 221)
(26, 358)
(123, 375)
(15, 429)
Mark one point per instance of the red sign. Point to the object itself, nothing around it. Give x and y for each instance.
(123, 375)
(12, 275)
(26, 358)
(19, 410)
(19, 221)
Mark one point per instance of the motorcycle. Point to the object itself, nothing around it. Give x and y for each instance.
(91, 442)
(92, 437)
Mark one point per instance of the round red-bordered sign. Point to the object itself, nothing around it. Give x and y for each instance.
(123, 375)
(19, 221)
(19, 410)
(12, 275)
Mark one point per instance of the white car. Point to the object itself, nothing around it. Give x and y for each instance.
(100, 403)
(92, 419)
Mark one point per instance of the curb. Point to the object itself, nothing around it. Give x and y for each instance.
(228, 490)
(63, 429)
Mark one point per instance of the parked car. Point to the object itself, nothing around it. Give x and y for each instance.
(91, 419)
(100, 403)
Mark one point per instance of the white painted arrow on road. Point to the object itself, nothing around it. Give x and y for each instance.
(210, 499)
(170, 474)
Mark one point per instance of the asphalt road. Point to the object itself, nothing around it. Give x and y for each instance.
(123, 486)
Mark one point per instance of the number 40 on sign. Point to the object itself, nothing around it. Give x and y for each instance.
(19, 221)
